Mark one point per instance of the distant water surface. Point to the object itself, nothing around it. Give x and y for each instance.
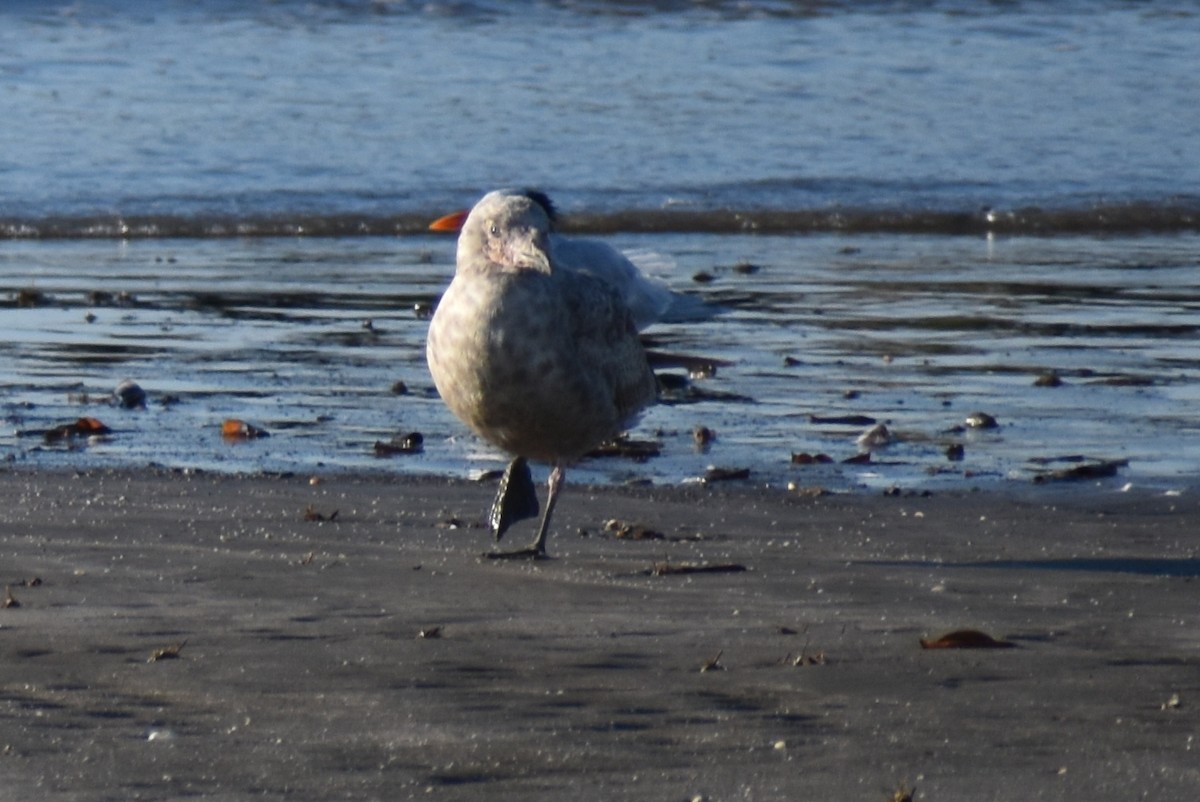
(240, 110)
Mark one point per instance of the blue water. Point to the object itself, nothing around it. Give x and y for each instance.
(1062, 133)
(198, 108)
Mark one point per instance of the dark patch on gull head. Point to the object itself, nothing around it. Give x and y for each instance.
(543, 200)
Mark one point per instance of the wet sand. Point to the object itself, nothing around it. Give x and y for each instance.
(291, 662)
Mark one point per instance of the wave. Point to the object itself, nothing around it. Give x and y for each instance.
(1124, 218)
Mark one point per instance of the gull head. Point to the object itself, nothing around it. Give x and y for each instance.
(507, 230)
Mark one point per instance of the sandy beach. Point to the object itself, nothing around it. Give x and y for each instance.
(224, 637)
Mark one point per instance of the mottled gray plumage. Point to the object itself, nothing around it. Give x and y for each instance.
(542, 362)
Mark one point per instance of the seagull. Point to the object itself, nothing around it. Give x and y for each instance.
(538, 358)
(648, 299)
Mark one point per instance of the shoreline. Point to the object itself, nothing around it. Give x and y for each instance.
(345, 640)
(1139, 216)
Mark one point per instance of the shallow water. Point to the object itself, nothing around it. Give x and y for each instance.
(883, 164)
(925, 330)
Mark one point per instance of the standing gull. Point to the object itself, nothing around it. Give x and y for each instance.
(538, 359)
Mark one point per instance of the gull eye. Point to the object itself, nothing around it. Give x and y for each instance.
(494, 230)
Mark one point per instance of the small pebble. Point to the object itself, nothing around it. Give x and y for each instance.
(878, 435)
(981, 420)
(1050, 379)
(129, 395)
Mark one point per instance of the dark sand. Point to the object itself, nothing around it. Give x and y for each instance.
(303, 675)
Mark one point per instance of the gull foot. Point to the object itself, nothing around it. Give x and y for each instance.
(516, 498)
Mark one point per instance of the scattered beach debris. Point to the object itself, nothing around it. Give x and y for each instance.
(83, 427)
(129, 395)
(9, 599)
(714, 664)
(623, 530)
(429, 633)
(697, 367)
(674, 389)
(399, 388)
(702, 436)
(29, 298)
(1173, 702)
(877, 436)
(1083, 469)
(805, 659)
(411, 443)
(955, 452)
(486, 475)
(667, 569)
(714, 473)
(167, 652)
(235, 429)
(624, 446)
(980, 420)
(312, 514)
(746, 268)
(903, 794)
(1048, 379)
(703, 277)
(804, 458)
(858, 459)
(966, 639)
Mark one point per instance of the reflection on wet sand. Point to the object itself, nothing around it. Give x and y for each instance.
(1077, 347)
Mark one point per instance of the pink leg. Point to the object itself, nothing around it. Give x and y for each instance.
(553, 485)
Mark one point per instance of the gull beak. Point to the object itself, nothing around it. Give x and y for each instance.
(529, 251)
(451, 222)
